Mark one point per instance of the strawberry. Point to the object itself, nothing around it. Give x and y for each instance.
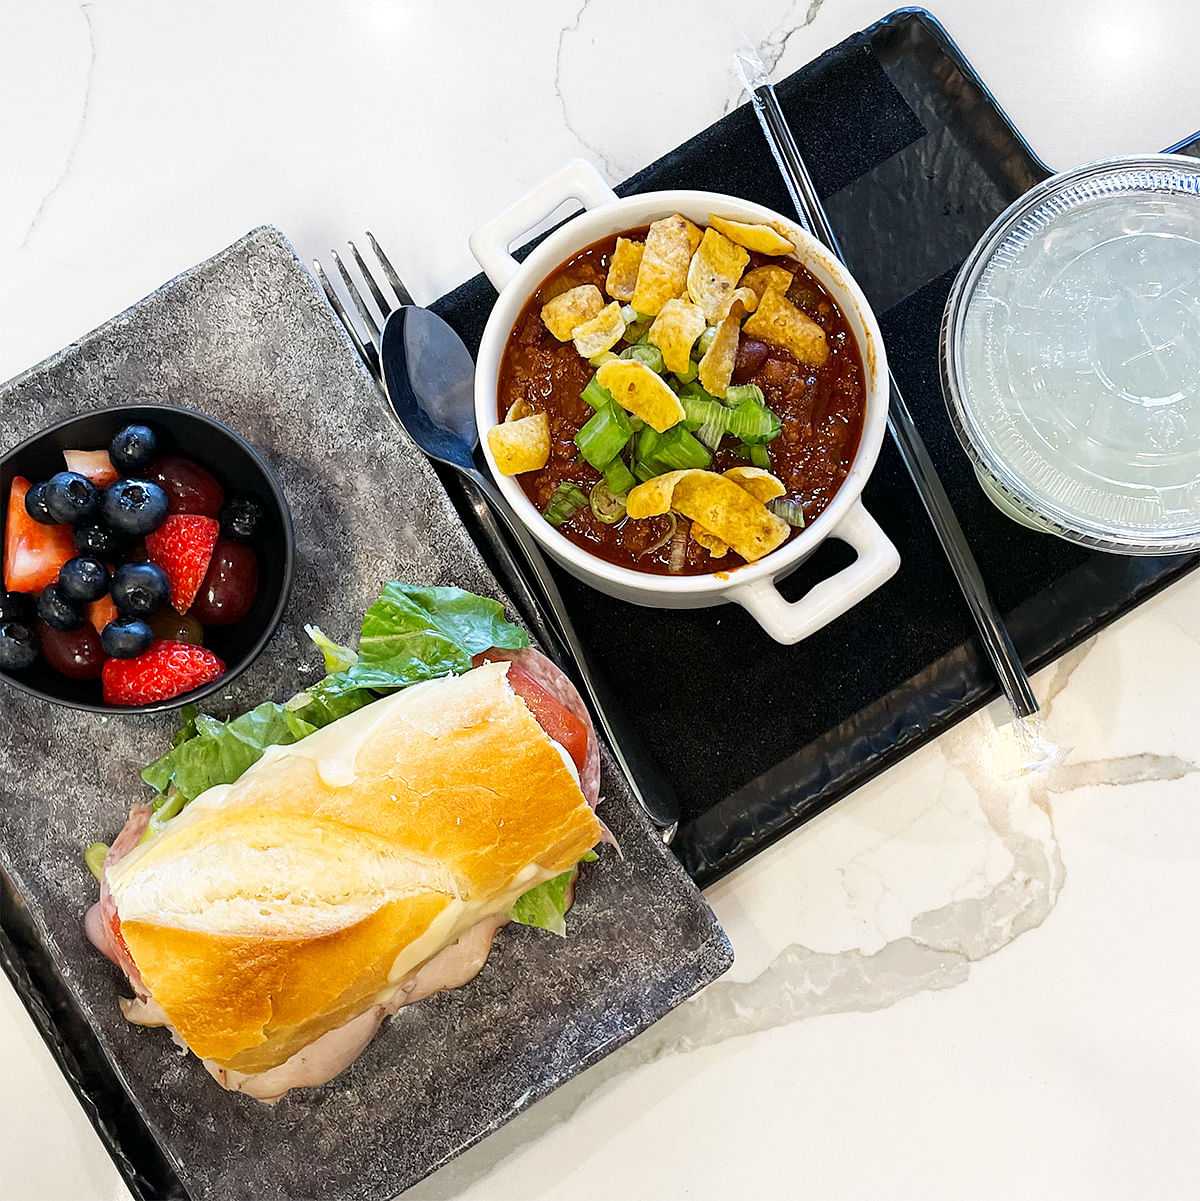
(183, 547)
(166, 670)
(101, 612)
(95, 464)
(33, 552)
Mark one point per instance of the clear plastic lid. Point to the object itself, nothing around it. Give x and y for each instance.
(1071, 354)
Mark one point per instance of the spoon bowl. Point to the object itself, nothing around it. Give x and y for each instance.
(429, 376)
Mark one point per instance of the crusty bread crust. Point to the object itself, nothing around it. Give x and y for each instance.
(282, 906)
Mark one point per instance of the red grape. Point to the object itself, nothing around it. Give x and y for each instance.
(229, 586)
(76, 654)
(177, 627)
(189, 487)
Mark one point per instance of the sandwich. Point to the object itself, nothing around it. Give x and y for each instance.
(273, 920)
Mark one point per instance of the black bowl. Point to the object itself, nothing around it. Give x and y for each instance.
(239, 467)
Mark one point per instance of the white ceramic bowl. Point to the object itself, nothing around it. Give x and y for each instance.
(751, 586)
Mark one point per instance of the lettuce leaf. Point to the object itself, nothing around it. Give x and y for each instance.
(337, 657)
(546, 905)
(217, 752)
(414, 633)
(410, 634)
(328, 700)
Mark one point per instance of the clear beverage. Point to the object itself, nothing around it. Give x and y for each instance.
(1073, 356)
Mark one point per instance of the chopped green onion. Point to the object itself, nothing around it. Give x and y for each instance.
(604, 435)
(566, 501)
(645, 353)
(735, 394)
(790, 510)
(647, 443)
(696, 410)
(94, 858)
(607, 506)
(704, 342)
(689, 375)
(629, 314)
(618, 477)
(678, 449)
(595, 395)
(760, 456)
(636, 331)
(753, 422)
(713, 430)
(696, 389)
(605, 356)
(644, 466)
(709, 419)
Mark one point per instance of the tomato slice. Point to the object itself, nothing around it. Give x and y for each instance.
(555, 718)
(33, 553)
(114, 926)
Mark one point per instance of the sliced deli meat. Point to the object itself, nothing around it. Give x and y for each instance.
(530, 664)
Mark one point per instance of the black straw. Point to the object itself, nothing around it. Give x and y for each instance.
(997, 641)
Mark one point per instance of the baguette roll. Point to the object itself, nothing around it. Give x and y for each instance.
(279, 908)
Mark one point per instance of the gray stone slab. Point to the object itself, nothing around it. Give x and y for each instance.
(247, 337)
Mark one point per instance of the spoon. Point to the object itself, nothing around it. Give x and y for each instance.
(429, 378)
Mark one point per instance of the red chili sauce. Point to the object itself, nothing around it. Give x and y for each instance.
(820, 411)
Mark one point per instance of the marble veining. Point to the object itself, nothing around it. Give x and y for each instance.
(600, 30)
(69, 160)
(1066, 1065)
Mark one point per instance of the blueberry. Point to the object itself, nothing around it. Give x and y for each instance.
(14, 606)
(133, 507)
(240, 517)
(83, 579)
(70, 497)
(18, 646)
(126, 638)
(56, 609)
(97, 541)
(133, 448)
(35, 504)
(139, 588)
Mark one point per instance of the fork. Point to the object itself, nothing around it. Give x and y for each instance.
(533, 607)
(540, 604)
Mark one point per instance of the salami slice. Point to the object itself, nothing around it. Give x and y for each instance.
(552, 680)
(102, 924)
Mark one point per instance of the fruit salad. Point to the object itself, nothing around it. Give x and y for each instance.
(116, 565)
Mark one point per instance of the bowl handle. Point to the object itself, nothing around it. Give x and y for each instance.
(789, 622)
(575, 180)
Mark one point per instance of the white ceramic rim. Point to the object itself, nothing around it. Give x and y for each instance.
(617, 215)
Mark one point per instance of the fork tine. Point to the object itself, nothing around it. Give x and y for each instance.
(366, 352)
(381, 300)
(356, 296)
(403, 295)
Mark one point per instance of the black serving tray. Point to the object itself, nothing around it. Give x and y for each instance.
(914, 159)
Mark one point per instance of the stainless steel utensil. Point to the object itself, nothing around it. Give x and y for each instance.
(427, 374)
(997, 641)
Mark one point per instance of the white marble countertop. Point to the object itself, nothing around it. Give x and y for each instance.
(960, 982)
